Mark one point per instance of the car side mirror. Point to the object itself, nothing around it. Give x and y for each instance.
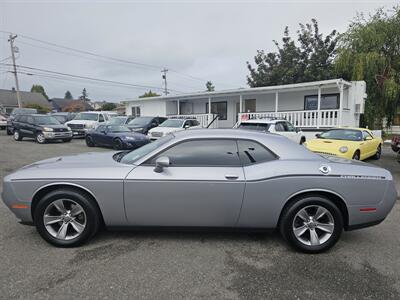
(154, 125)
(187, 126)
(317, 135)
(368, 138)
(161, 163)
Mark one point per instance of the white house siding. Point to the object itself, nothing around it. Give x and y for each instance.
(148, 107)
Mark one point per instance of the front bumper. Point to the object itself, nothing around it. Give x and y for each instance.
(57, 135)
(20, 208)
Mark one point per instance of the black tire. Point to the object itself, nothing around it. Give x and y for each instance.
(356, 155)
(9, 131)
(39, 138)
(289, 218)
(118, 144)
(302, 140)
(17, 135)
(91, 213)
(378, 153)
(66, 140)
(89, 141)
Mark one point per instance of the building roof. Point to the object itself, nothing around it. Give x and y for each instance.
(244, 91)
(8, 98)
(60, 104)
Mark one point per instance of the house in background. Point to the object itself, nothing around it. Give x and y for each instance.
(61, 104)
(8, 100)
(309, 106)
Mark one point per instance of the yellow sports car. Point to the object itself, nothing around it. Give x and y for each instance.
(351, 143)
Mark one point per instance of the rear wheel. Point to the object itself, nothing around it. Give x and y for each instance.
(40, 138)
(66, 218)
(118, 144)
(17, 135)
(378, 153)
(356, 155)
(312, 224)
(89, 141)
(9, 131)
(302, 140)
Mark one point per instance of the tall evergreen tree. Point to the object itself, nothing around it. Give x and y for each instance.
(68, 95)
(37, 88)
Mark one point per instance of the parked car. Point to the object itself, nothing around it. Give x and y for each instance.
(3, 121)
(172, 125)
(85, 121)
(116, 136)
(42, 128)
(202, 178)
(63, 117)
(350, 143)
(120, 120)
(278, 126)
(144, 124)
(395, 144)
(15, 112)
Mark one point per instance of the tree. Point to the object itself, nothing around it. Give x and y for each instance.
(108, 106)
(37, 88)
(75, 106)
(149, 94)
(370, 50)
(40, 108)
(84, 95)
(310, 59)
(210, 87)
(68, 95)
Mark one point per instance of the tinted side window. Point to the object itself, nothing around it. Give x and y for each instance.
(30, 120)
(202, 153)
(252, 152)
(101, 118)
(289, 127)
(100, 128)
(279, 127)
(23, 119)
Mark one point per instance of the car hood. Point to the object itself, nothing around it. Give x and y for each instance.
(327, 144)
(81, 166)
(165, 129)
(81, 122)
(55, 126)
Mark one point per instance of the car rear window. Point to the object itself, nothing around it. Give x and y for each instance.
(255, 126)
(251, 152)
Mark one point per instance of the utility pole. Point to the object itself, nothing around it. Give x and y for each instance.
(164, 76)
(13, 48)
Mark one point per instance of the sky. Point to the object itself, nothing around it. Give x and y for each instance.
(130, 42)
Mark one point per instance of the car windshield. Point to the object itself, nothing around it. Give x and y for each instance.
(60, 118)
(117, 121)
(135, 155)
(255, 126)
(118, 129)
(86, 116)
(46, 120)
(342, 134)
(174, 123)
(19, 111)
(140, 121)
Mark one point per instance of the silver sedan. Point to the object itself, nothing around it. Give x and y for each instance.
(202, 179)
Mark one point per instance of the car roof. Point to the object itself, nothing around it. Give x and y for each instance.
(263, 121)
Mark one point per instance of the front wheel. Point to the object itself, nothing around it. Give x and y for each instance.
(356, 155)
(118, 144)
(89, 141)
(40, 138)
(17, 135)
(66, 218)
(312, 224)
(378, 153)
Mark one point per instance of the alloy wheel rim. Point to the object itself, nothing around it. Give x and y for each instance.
(16, 135)
(313, 225)
(40, 138)
(64, 219)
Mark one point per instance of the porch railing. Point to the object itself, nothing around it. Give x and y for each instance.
(303, 118)
(204, 119)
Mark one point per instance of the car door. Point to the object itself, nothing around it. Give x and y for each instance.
(31, 126)
(203, 186)
(98, 134)
(369, 145)
(23, 126)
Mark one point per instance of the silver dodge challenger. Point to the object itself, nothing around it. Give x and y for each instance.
(232, 179)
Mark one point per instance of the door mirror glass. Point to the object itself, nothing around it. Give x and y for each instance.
(161, 163)
(187, 126)
(368, 138)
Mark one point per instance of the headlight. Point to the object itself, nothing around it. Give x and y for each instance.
(343, 149)
(129, 138)
(91, 126)
(137, 129)
(48, 129)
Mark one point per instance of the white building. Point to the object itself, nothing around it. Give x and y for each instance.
(310, 105)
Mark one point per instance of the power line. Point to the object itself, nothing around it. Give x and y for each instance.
(92, 78)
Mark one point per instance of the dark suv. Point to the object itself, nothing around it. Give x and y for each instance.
(144, 124)
(40, 127)
(16, 112)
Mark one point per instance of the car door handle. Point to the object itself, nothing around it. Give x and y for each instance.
(231, 177)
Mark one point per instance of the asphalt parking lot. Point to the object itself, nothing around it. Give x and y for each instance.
(365, 264)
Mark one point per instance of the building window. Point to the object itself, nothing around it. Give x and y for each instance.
(136, 111)
(328, 101)
(219, 108)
